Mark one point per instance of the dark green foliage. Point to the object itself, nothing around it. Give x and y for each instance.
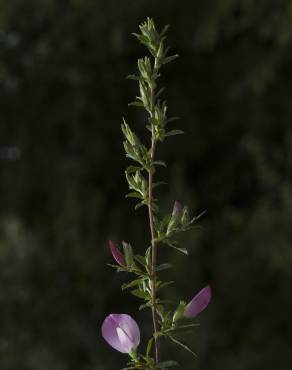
(62, 96)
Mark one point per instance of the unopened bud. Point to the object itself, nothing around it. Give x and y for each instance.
(177, 208)
(179, 312)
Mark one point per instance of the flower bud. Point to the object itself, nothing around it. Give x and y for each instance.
(198, 303)
(177, 208)
(179, 312)
(117, 255)
(175, 218)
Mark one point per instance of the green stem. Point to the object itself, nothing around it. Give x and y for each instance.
(153, 243)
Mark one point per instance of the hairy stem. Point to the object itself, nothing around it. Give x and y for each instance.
(153, 243)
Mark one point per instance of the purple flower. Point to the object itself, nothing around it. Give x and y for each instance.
(177, 208)
(121, 332)
(198, 303)
(118, 256)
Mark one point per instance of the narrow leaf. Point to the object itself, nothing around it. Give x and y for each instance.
(140, 259)
(139, 205)
(131, 169)
(173, 244)
(182, 250)
(163, 285)
(159, 92)
(174, 132)
(140, 294)
(133, 77)
(164, 30)
(159, 183)
(194, 219)
(184, 346)
(132, 283)
(136, 104)
(160, 163)
(145, 305)
(166, 364)
(172, 119)
(134, 194)
(149, 347)
(170, 59)
(163, 266)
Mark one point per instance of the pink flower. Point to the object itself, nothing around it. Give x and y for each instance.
(121, 332)
(198, 303)
(118, 256)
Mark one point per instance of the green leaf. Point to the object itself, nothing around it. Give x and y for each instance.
(165, 220)
(159, 183)
(172, 119)
(149, 346)
(174, 132)
(161, 311)
(182, 250)
(184, 346)
(140, 294)
(132, 283)
(159, 92)
(170, 58)
(140, 259)
(139, 205)
(182, 328)
(166, 364)
(163, 285)
(148, 256)
(160, 163)
(164, 266)
(143, 39)
(132, 169)
(118, 267)
(173, 244)
(196, 218)
(133, 77)
(164, 30)
(145, 305)
(134, 194)
(136, 104)
(128, 253)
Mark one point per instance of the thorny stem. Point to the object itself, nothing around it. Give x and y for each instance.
(153, 242)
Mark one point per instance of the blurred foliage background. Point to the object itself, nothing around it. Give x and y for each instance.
(62, 96)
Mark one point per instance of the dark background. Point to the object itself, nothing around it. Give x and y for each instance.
(62, 96)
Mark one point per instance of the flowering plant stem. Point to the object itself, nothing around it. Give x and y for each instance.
(153, 241)
(121, 330)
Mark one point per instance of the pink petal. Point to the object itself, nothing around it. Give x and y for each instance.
(118, 256)
(198, 303)
(131, 328)
(124, 340)
(121, 332)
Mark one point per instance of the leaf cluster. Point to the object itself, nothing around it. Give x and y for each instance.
(173, 224)
(148, 72)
